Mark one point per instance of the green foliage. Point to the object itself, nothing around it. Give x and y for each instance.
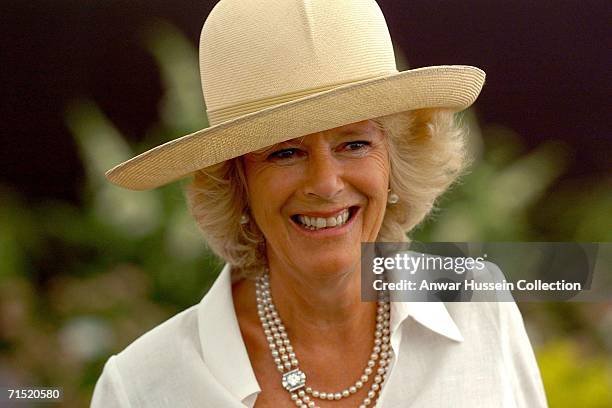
(573, 380)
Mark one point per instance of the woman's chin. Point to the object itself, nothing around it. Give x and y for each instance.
(333, 264)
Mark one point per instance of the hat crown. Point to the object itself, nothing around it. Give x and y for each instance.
(260, 53)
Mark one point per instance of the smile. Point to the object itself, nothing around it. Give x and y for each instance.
(314, 223)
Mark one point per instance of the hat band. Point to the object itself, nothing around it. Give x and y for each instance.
(217, 116)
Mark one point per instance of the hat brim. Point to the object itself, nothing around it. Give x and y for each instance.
(453, 87)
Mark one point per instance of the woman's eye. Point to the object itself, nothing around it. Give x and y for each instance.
(283, 154)
(357, 145)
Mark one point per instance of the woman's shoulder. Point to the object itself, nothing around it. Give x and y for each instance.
(139, 370)
(178, 332)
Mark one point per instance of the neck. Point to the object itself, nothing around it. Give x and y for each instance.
(328, 305)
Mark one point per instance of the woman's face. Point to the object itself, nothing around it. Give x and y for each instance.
(316, 198)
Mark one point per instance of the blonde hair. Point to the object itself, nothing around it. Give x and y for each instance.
(426, 153)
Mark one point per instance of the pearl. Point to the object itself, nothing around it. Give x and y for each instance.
(285, 358)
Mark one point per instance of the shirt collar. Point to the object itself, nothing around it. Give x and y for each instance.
(223, 349)
(432, 315)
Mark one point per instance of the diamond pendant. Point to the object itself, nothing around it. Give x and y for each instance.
(294, 380)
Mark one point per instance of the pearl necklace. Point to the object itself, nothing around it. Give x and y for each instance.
(294, 379)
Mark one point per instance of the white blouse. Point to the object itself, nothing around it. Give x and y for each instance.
(448, 355)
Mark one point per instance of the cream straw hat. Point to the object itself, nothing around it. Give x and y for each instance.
(274, 70)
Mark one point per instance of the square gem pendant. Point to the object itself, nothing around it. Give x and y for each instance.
(294, 380)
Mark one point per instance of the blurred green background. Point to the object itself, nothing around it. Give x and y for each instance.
(80, 282)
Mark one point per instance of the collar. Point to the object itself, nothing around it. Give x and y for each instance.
(223, 349)
(432, 315)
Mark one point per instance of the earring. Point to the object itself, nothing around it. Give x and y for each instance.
(244, 218)
(392, 198)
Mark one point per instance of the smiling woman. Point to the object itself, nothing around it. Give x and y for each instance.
(317, 144)
(424, 153)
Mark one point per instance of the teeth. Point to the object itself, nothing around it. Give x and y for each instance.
(319, 223)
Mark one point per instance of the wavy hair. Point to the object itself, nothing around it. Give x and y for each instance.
(427, 153)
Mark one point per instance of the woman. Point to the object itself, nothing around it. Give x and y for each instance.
(317, 144)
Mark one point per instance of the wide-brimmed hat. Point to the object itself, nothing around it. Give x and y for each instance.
(274, 70)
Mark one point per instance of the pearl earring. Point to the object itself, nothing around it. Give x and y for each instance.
(244, 218)
(392, 198)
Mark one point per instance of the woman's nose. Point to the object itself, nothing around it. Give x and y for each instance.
(323, 176)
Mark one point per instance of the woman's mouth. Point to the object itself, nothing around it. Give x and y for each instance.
(313, 223)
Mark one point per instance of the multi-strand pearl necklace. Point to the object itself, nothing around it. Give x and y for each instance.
(294, 379)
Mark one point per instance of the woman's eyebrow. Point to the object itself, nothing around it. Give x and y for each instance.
(355, 132)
